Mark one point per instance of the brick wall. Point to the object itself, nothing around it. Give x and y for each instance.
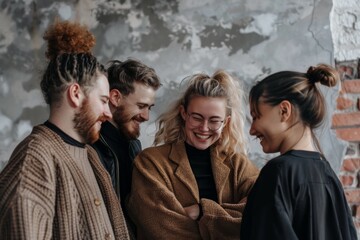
(346, 122)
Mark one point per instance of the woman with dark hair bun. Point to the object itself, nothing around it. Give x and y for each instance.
(297, 194)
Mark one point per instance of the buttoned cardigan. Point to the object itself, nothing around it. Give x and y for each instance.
(44, 194)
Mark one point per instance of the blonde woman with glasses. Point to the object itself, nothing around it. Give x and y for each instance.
(194, 182)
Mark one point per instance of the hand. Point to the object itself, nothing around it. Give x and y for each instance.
(193, 211)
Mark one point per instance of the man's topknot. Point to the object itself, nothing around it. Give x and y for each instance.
(68, 37)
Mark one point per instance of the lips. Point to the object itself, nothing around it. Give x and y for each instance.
(201, 136)
(260, 138)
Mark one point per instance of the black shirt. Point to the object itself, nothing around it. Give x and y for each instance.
(200, 162)
(297, 196)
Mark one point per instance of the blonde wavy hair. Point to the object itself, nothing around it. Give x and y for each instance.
(170, 124)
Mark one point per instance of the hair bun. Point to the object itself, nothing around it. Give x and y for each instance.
(323, 73)
(68, 37)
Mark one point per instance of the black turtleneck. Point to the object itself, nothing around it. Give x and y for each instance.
(200, 162)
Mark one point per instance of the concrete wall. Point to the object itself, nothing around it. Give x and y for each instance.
(249, 38)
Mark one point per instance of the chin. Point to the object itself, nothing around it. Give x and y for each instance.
(202, 146)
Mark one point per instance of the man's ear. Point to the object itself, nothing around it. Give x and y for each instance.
(182, 112)
(285, 110)
(115, 97)
(75, 95)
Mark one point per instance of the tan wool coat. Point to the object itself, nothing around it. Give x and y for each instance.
(163, 184)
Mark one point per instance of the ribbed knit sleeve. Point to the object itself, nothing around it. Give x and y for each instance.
(27, 190)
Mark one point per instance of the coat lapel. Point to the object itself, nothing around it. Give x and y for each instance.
(183, 170)
(221, 173)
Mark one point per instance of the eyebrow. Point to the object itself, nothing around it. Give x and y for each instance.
(145, 104)
(212, 117)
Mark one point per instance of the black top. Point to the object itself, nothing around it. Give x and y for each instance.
(200, 163)
(297, 196)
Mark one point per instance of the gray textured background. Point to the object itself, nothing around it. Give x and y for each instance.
(248, 38)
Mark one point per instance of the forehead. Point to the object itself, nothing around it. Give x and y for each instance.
(142, 93)
(207, 106)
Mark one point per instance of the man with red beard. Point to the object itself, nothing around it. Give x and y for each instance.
(54, 186)
(132, 94)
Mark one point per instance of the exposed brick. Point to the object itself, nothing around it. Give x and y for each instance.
(351, 164)
(349, 134)
(347, 69)
(353, 195)
(351, 149)
(345, 119)
(357, 211)
(343, 103)
(347, 180)
(350, 86)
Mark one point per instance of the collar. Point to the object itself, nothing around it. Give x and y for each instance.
(65, 137)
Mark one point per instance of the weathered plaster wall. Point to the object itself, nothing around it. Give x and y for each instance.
(345, 29)
(249, 38)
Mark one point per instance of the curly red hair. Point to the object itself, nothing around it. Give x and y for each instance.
(68, 37)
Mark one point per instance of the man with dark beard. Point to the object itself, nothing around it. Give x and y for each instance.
(132, 94)
(54, 185)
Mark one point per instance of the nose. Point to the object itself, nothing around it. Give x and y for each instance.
(204, 125)
(144, 114)
(252, 130)
(107, 112)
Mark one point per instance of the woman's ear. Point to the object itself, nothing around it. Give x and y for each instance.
(227, 120)
(285, 110)
(115, 97)
(182, 112)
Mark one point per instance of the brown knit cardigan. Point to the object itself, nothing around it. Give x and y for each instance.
(44, 195)
(163, 184)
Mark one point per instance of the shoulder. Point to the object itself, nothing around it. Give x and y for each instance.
(32, 159)
(157, 156)
(40, 143)
(156, 150)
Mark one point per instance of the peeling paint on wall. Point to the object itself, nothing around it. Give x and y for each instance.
(250, 39)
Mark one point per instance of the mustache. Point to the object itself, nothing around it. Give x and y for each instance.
(102, 118)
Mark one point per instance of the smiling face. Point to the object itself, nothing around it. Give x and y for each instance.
(206, 111)
(268, 127)
(131, 110)
(93, 111)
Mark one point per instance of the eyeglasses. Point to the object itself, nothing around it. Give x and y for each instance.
(196, 120)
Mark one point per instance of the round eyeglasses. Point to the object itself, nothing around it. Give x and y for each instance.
(196, 120)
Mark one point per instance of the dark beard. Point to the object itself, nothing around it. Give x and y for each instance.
(122, 119)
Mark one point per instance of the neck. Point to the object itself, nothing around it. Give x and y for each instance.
(63, 119)
(299, 138)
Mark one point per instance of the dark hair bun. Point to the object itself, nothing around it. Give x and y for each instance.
(68, 37)
(323, 73)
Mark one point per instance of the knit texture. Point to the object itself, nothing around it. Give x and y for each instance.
(45, 194)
